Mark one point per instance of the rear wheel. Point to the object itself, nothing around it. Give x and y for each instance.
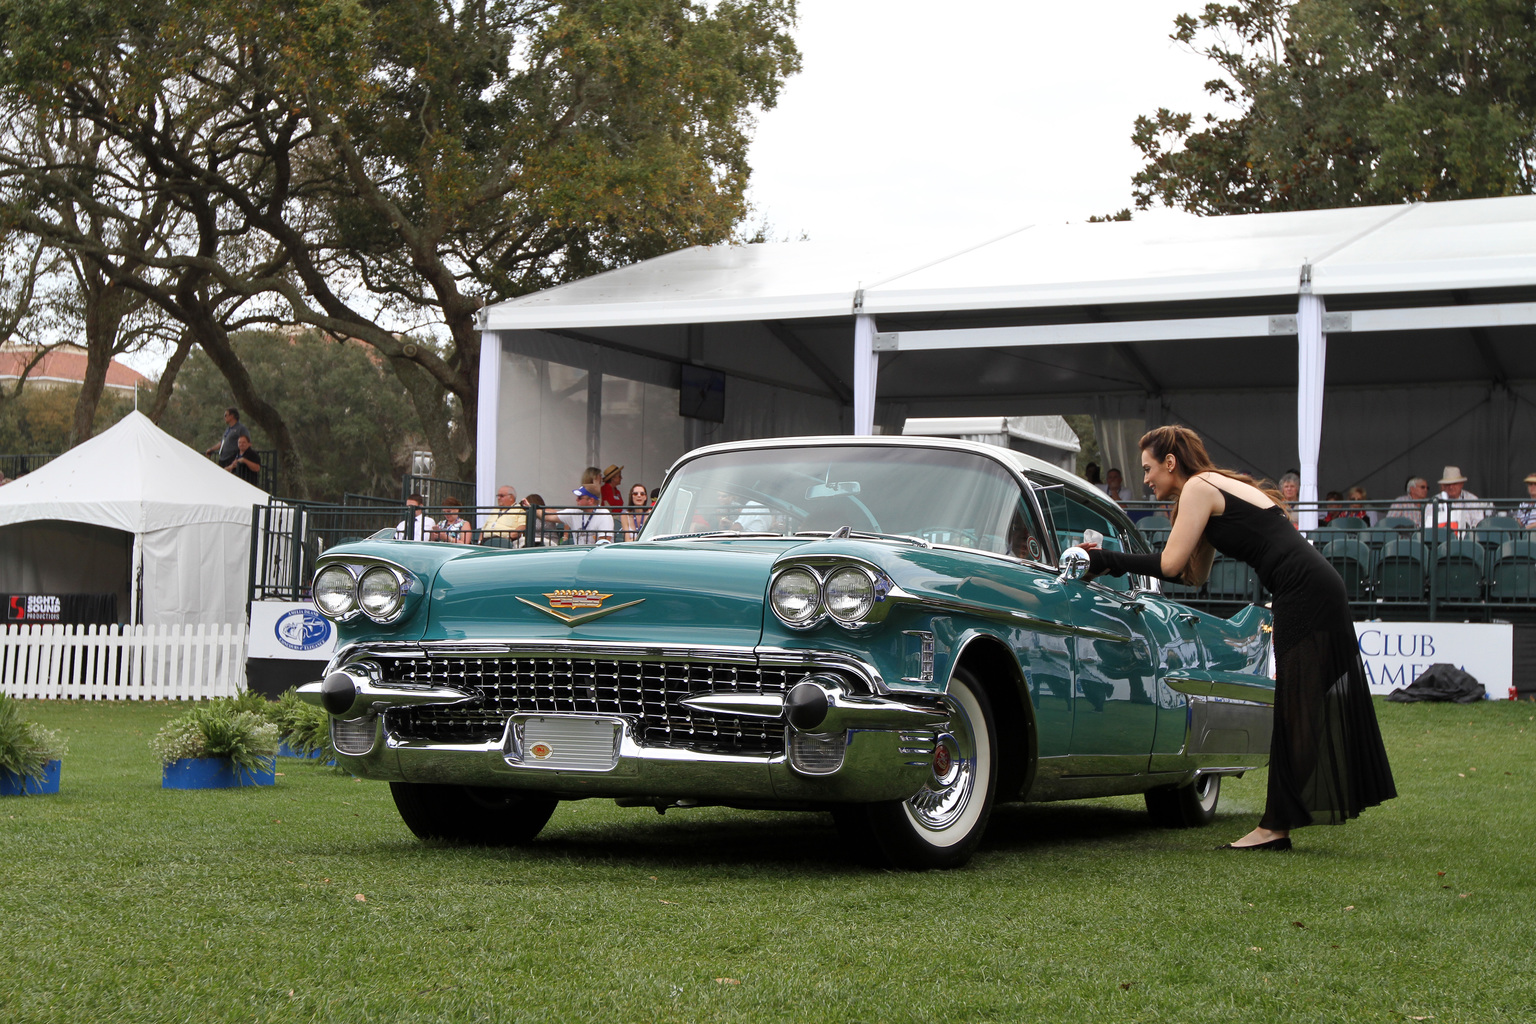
(473, 815)
(1188, 806)
(941, 825)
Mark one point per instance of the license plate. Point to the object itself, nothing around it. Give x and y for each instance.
(570, 744)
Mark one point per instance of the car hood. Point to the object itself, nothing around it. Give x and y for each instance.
(690, 593)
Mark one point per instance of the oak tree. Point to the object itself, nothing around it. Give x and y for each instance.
(397, 164)
(1337, 103)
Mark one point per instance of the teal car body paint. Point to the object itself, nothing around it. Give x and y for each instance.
(880, 627)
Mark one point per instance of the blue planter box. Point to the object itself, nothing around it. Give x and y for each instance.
(214, 773)
(24, 785)
(284, 750)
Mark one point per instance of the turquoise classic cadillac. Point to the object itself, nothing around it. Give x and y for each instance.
(896, 630)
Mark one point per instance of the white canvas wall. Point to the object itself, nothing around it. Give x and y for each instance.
(545, 427)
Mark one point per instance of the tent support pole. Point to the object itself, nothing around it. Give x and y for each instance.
(136, 579)
(1312, 354)
(866, 368)
(489, 391)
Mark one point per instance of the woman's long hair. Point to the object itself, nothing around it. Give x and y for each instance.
(1189, 451)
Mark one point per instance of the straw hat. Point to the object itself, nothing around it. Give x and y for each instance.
(1452, 475)
(611, 472)
(1530, 478)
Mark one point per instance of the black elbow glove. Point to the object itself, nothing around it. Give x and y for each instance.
(1118, 563)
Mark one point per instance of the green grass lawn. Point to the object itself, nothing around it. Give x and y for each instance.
(309, 900)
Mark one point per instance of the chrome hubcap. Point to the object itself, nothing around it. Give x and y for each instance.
(941, 802)
(1206, 789)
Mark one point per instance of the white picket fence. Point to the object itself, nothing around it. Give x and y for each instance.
(54, 662)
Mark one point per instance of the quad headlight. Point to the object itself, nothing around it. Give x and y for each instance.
(796, 597)
(335, 592)
(342, 590)
(852, 595)
(379, 593)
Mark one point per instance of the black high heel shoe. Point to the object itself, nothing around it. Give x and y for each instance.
(1283, 843)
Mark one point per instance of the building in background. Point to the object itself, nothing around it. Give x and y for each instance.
(62, 367)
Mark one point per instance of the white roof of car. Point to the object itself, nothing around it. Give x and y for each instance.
(1020, 461)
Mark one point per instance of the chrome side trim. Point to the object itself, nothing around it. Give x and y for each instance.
(1015, 617)
(924, 640)
(836, 660)
(1233, 686)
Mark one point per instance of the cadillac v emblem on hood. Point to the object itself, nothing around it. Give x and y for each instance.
(577, 599)
(574, 599)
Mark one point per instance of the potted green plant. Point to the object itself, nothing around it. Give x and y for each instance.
(30, 755)
(217, 745)
(303, 729)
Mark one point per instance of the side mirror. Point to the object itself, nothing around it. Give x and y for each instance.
(1074, 564)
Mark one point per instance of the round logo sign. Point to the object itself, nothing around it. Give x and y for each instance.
(303, 629)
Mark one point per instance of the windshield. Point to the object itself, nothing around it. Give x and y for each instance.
(940, 496)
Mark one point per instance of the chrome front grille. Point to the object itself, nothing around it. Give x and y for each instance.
(648, 693)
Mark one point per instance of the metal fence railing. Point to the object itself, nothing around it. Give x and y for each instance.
(1467, 562)
(266, 477)
(1463, 560)
(14, 466)
(290, 535)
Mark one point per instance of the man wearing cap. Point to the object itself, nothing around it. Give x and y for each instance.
(589, 524)
(612, 495)
(1455, 505)
(1526, 513)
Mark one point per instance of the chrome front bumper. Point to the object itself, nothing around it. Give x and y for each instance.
(838, 747)
(875, 764)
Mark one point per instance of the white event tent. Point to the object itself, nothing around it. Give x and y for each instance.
(1359, 345)
(132, 503)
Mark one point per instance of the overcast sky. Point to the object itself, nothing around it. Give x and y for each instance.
(958, 121)
(947, 124)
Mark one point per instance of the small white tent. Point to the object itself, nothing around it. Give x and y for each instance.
(184, 523)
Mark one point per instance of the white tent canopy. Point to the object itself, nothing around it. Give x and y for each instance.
(189, 521)
(1222, 323)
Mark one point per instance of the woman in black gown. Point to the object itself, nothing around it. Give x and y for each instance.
(1327, 761)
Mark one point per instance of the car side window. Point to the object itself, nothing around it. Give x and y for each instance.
(1024, 537)
(1074, 514)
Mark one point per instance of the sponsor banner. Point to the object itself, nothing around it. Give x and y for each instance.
(291, 630)
(1397, 653)
(70, 609)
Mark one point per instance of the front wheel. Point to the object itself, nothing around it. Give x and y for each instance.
(472, 815)
(941, 824)
(1190, 806)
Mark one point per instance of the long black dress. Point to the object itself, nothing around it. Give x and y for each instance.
(1326, 761)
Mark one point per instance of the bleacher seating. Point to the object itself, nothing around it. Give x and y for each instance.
(1512, 574)
(1459, 571)
(1355, 562)
(1492, 532)
(1400, 574)
(1232, 580)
